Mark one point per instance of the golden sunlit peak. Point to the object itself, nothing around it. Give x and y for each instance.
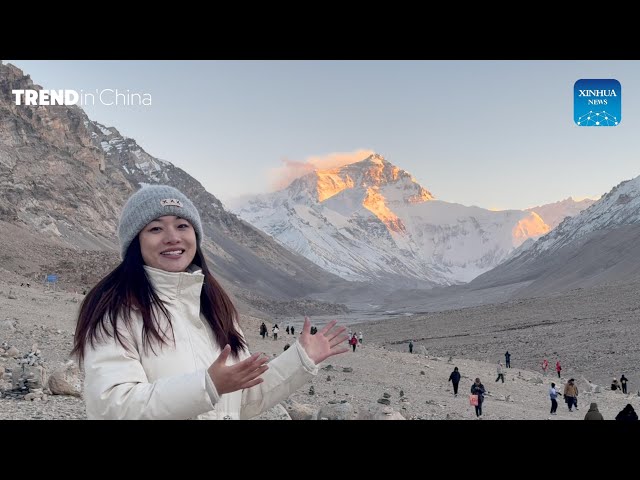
(376, 204)
(328, 184)
(376, 158)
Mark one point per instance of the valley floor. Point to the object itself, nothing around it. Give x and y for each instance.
(416, 384)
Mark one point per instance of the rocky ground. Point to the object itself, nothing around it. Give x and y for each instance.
(379, 380)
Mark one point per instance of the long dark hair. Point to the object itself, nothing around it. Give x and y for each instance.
(127, 287)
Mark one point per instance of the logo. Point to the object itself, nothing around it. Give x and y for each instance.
(167, 202)
(106, 96)
(597, 103)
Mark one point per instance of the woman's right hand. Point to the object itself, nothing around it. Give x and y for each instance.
(244, 374)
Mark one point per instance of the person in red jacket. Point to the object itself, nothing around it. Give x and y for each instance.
(558, 368)
(545, 366)
(353, 342)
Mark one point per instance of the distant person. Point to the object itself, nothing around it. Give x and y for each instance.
(553, 395)
(263, 330)
(287, 330)
(293, 329)
(507, 359)
(478, 389)
(571, 394)
(275, 331)
(455, 379)
(558, 368)
(360, 337)
(623, 383)
(545, 366)
(500, 373)
(627, 414)
(353, 342)
(593, 413)
(615, 385)
(410, 346)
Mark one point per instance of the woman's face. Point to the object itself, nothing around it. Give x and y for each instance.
(168, 243)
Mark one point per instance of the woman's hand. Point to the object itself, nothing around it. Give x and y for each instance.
(244, 374)
(323, 344)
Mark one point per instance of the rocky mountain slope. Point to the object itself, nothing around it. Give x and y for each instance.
(64, 179)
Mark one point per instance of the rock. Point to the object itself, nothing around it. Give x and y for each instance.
(278, 412)
(299, 411)
(13, 352)
(340, 411)
(7, 325)
(66, 381)
(377, 412)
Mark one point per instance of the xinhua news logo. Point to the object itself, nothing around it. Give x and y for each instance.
(597, 103)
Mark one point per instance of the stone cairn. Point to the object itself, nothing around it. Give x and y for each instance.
(28, 378)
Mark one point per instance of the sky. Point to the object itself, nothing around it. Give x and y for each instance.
(498, 134)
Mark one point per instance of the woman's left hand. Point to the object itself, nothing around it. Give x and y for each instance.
(325, 343)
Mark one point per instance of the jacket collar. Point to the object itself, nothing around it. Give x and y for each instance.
(172, 285)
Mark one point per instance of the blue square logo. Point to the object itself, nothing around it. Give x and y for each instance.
(597, 103)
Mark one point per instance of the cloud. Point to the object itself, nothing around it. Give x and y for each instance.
(282, 176)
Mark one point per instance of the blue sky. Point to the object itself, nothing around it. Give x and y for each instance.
(497, 134)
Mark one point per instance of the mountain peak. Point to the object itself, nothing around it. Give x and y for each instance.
(376, 159)
(374, 172)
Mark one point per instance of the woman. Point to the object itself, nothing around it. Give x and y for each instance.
(158, 337)
(477, 388)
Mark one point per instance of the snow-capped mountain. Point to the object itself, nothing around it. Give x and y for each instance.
(372, 221)
(621, 206)
(600, 245)
(554, 213)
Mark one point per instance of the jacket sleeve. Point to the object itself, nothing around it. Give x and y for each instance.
(116, 387)
(287, 372)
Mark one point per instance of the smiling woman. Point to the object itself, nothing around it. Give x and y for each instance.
(168, 243)
(158, 337)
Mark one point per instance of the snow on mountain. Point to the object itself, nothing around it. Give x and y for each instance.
(553, 213)
(621, 206)
(598, 246)
(372, 221)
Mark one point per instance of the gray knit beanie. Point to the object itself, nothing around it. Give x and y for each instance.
(149, 203)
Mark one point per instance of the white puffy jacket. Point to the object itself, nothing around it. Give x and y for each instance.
(173, 383)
